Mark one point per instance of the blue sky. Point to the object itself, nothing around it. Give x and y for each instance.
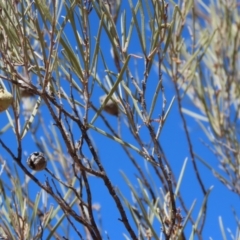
(114, 160)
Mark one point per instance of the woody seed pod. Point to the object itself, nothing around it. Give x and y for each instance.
(37, 161)
(111, 106)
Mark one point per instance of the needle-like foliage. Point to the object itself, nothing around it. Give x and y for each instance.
(58, 58)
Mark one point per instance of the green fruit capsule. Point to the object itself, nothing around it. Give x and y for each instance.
(6, 99)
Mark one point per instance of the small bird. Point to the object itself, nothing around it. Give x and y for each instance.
(111, 106)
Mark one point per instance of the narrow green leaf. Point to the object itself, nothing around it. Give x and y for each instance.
(141, 40)
(119, 79)
(181, 177)
(200, 214)
(31, 119)
(222, 228)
